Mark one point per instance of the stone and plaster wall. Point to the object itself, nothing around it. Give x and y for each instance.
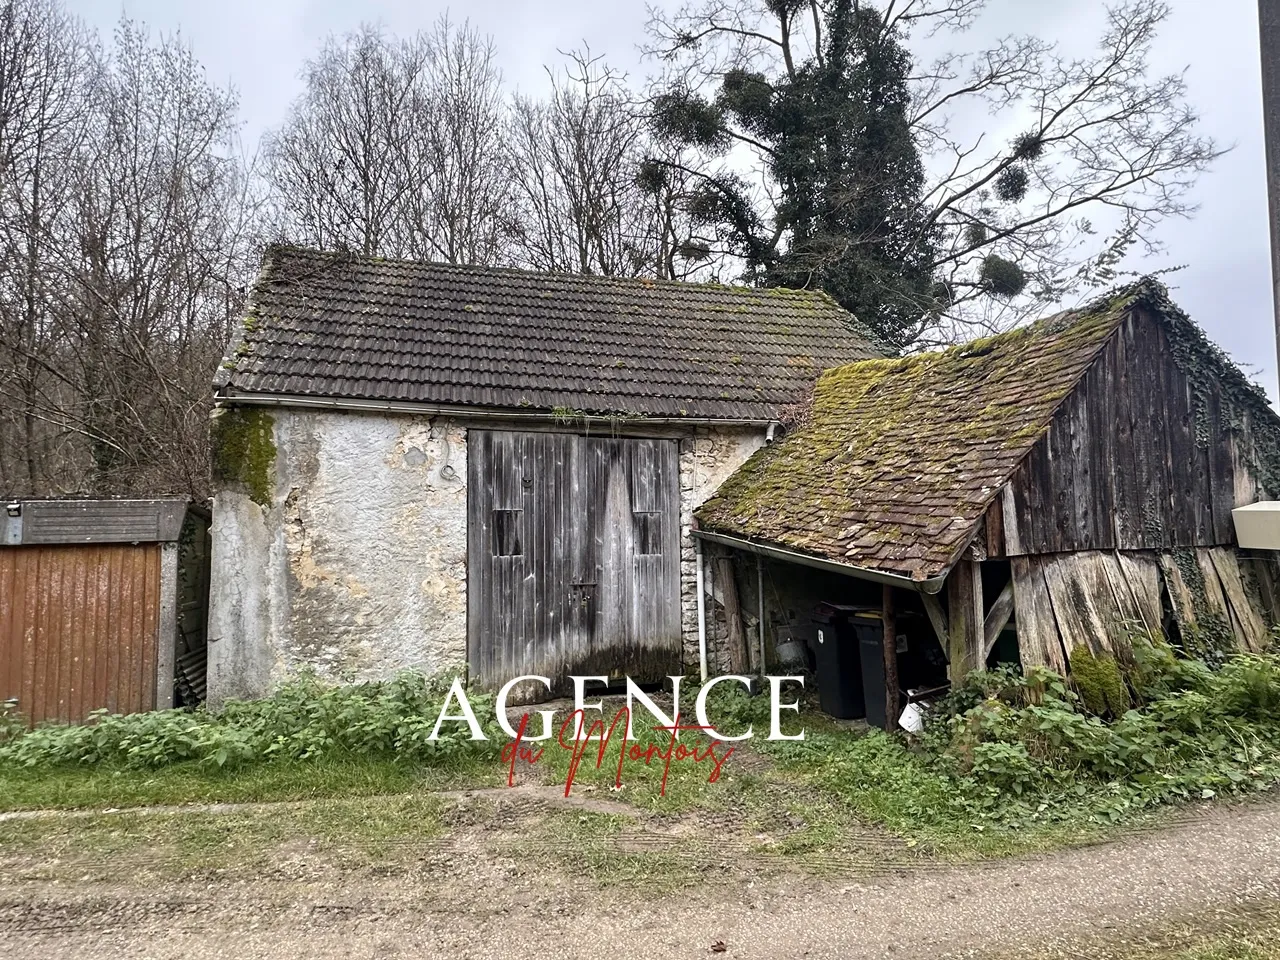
(707, 458)
(355, 567)
(348, 557)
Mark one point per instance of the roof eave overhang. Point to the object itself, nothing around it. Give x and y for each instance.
(930, 586)
(226, 397)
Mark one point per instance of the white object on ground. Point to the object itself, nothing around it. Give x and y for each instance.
(912, 719)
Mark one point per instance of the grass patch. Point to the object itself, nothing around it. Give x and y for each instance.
(653, 786)
(246, 842)
(843, 782)
(304, 720)
(1009, 764)
(592, 845)
(109, 786)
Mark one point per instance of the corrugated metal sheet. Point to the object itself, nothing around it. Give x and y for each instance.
(78, 628)
(91, 521)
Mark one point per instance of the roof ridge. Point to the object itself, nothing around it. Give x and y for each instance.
(1078, 314)
(352, 256)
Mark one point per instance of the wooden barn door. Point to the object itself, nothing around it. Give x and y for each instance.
(573, 557)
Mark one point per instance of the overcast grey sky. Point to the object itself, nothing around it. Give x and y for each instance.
(258, 46)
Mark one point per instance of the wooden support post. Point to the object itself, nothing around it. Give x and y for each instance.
(760, 613)
(997, 617)
(738, 662)
(964, 600)
(891, 705)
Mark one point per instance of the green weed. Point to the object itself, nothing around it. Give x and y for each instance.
(304, 720)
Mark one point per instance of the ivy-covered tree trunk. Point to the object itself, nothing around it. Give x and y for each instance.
(837, 136)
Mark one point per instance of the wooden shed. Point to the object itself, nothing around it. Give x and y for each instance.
(102, 605)
(1071, 481)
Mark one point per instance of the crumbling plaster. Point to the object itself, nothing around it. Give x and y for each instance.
(357, 568)
(707, 458)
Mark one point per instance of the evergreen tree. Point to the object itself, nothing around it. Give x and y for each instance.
(836, 136)
(828, 157)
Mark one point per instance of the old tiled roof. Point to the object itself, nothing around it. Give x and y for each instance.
(361, 328)
(899, 458)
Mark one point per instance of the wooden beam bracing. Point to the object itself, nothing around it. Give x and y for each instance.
(996, 620)
(937, 617)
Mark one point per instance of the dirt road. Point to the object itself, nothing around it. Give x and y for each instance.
(459, 901)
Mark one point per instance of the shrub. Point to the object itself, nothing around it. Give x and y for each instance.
(730, 707)
(1252, 686)
(11, 722)
(1010, 741)
(306, 719)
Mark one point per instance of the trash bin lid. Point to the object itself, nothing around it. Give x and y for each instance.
(824, 612)
(828, 609)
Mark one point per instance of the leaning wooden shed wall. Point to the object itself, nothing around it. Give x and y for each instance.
(1213, 597)
(1131, 461)
(88, 613)
(1119, 518)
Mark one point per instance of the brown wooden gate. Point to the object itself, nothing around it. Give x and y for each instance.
(573, 557)
(88, 619)
(78, 628)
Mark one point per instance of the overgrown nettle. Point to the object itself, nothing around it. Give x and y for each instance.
(825, 153)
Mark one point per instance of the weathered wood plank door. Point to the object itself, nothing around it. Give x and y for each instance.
(573, 557)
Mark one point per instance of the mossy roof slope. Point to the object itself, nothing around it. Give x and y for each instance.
(899, 458)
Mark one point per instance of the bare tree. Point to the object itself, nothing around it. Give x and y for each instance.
(459, 211)
(126, 252)
(588, 202)
(1106, 151)
(394, 148)
(340, 165)
(44, 64)
(163, 256)
(1105, 146)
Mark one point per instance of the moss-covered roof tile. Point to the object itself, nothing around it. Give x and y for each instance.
(899, 458)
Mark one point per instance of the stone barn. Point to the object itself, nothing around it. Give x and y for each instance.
(1062, 486)
(426, 466)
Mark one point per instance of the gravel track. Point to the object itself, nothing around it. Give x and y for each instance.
(478, 894)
